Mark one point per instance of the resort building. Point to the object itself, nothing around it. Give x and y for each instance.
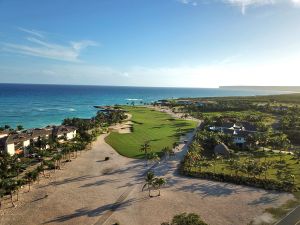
(184, 102)
(15, 143)
(64, 133)
(239, 132)
(163, 102)
(39, 134)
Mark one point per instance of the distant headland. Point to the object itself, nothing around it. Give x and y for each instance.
(266, 88)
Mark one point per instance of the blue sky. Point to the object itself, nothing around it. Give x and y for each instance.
(190, 43)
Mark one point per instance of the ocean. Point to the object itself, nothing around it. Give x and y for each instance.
(40, 105)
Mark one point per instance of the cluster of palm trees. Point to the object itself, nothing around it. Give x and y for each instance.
(152, 182)
(57, 156)
(251, 167)
(7, 127)
(195, 161)
(11, 166)
(153, 156)
(149, 155)
(167, 151)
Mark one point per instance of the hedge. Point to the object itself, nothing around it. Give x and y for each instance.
(267, 184)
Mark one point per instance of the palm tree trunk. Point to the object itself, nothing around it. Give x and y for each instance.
(11, 199)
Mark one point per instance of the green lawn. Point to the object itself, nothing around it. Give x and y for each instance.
(222, 166)
(149, 125)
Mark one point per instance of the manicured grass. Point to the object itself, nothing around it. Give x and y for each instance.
(149, 125)
(222, 167)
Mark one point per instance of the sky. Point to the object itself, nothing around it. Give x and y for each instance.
(166, 43)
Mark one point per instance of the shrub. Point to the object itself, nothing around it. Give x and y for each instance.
(186, 219)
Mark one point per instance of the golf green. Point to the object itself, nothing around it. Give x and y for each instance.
(160, 129)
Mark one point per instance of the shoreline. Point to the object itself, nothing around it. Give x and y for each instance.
(84, 110)
(88, 191)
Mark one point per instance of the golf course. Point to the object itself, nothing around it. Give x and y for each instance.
(148, 125)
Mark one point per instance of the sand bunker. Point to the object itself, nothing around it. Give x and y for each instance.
(123, 128)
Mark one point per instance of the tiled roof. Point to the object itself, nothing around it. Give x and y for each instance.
(38, 132)
(63, 129)
(14, 138)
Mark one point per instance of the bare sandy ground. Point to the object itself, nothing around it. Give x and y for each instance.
(90, 190)
(217, 203)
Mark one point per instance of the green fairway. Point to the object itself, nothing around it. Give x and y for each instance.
(160, 129)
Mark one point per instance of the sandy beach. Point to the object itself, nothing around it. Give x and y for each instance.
(90, 190)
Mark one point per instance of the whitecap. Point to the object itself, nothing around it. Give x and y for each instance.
(134, 99)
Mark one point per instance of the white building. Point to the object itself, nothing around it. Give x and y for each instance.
(38, 134)
(16, 143)
(64, 133)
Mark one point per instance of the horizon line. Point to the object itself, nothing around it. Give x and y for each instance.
(108, 85)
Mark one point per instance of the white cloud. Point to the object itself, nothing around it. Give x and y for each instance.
(41, 48)
(296, 2)
(32, 32)
(230, 71)
(83, 44)
(189, 2)
(243, 4)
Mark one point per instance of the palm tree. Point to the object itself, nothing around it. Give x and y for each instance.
(175, 144)
(30, 177)
(234, 165)
(202, 163)
(248, 167)
(20, 127)
(66, 151)
(2, 193)
(153, 157)
(149, 181)
(167, 151)
(57, 159)
(266, 165)
(297, 156)
(153, 182)
(158, 182)
(145, 148)
(10, 186)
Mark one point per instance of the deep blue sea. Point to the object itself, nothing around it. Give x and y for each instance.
(41, 105)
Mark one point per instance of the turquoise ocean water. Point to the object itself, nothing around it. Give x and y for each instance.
(41, 105)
